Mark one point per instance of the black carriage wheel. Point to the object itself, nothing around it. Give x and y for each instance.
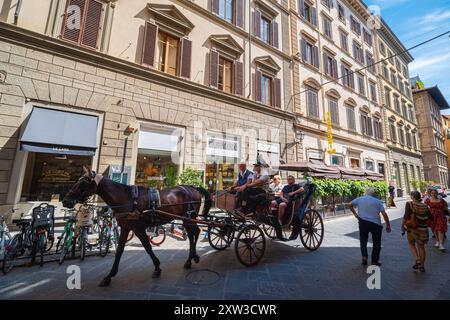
(250, 245)
(220, 238)
(311, 231)
(269, 231)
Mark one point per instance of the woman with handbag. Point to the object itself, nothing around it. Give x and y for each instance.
(438, 208)
(415, 223)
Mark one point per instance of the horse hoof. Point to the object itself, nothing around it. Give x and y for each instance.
(187, 265)
(196, 259)
(105, 282)
(156, 274)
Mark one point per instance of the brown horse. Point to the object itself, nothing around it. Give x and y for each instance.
(179, 201)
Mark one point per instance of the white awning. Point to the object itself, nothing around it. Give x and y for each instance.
(158, 141)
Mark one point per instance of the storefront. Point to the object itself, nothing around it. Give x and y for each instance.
(158, 156)
(55, 145)
(222, 158)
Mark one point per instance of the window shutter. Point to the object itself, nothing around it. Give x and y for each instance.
(314, 16)
(238, 78)
(277, 93)
(335, 69)
(186, 57)
(69, 32)
(274, 26)
(325, 63)
(303, 48)
(258, 85)
(92, 24)
(361, 120)
(240, 13)
(316, 57)
(148, 49)
(344, 80)
(215, 6)
(214, 69)
(257, 23)
(370, 127)
(352, 80)
(301, 7)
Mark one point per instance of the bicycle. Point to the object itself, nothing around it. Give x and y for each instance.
(157, 234)
(66, 241)
(19, 244)
(5, 236)
(43, 229)
(84, 223)
(109, 231)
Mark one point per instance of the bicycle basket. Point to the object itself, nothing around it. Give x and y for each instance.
(43, 215)
(84, 217)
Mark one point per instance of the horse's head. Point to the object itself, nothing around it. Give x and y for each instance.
(81, 190)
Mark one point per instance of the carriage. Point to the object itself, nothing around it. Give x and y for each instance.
(227, 224)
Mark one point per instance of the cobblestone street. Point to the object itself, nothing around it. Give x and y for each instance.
(287, 271)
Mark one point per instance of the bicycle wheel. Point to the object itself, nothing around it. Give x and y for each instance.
(10, 254)
(41, 246)
(82, 242)
(104, 241)
(66, 245)
(157, 235)
(49, 244)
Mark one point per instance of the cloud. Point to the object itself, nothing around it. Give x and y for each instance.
(427, 61)
(437, 16)
(385, 4)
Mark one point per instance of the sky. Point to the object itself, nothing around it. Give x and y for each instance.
(414, 21)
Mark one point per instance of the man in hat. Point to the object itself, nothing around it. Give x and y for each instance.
(259, 185)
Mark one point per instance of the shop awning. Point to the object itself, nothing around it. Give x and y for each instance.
(353, 174)
(314, 168)
(60, 132)
(374, 176)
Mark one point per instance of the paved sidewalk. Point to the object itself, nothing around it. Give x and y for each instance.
(287, 271)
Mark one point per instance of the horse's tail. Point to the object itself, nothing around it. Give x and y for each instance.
(208, 201)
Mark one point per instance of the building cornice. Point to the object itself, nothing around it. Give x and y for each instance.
(33, 40)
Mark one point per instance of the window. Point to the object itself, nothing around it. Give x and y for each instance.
(370, 62)
(361, 84)
(393, 78)
(327, 3)
(382, 48)
(358, 52)
(392, 131)
(337, 160)
(327, 27)
(408, 139)
(412, 114)
(405, 71)
(226, 10)
(414, 140)
(367, 37)
(351, 123)
(344, 40)
(404, 109)
(390, 56)
(355, 26)
(385, 71)
(312, 103)
(266, 90)
(91, 17)
(373, 91)
(309, 12)
(401, 135)
(265, 30)
(347, 77)
(397, 104)
(334, 110)
(398, 65)
(377, 129)
(330, 66)
(387, 97)
(168, 53)
(366, 125)
(310, 53)
(341, 12)
(370, 165)
(225, 75)
(381, 168)
(354, 163)
(400, 86)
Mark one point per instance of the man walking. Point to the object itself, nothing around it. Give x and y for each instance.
(368, 215)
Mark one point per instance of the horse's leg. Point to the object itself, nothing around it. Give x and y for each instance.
(142, 236)
(124, 231)
(193, 232)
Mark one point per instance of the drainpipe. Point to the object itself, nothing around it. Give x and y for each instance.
(16, 13)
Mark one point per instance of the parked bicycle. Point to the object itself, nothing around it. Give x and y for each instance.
(157, 235)
(109, 231)
(5, 236)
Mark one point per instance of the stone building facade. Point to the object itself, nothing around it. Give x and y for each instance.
(162, 87)
(428, 103)
(400, 123)
(333, 90)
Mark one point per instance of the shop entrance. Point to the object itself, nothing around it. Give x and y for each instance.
(48, 177)
(220, 176)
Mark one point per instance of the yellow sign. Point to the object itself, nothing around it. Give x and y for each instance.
(330, 150)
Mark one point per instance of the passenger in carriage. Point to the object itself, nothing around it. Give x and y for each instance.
(287, 194)
(276, 186)
(259, 184)
(245, 177)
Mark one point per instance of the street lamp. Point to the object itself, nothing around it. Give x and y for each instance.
(300, 135)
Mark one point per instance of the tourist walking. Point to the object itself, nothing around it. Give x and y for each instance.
(439, 210)
(368, 215)
(415, 223)
(391, 202)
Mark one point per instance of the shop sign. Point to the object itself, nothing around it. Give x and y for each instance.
(60, 149)
(223, 147)
(268, 147)
(116, 174)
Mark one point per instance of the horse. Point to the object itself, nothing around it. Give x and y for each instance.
(177, 202)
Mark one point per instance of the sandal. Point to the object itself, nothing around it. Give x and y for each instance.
(421, 269)
(417, 265)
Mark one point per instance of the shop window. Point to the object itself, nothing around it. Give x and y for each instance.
(370, 165)
(168, 53)
(49, 177)
(155, 169)
(337, 160)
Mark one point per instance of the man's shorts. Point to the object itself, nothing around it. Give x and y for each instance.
(278, 200)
